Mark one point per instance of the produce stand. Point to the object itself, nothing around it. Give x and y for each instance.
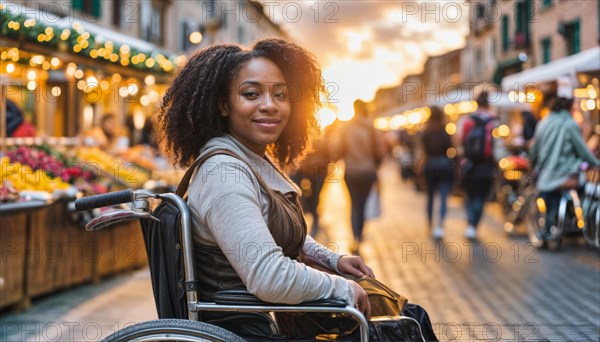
(81, 72)
(44, 250)
(44, 245)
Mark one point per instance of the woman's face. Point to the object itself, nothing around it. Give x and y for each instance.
(258, 108)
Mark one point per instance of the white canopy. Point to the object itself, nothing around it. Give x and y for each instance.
(588, 60)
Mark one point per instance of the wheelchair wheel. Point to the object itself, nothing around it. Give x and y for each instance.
(173, 330)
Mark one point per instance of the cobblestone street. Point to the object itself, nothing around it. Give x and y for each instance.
(498, 288)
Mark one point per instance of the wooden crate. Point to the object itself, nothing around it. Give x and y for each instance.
(84, 250)
(59, 251)
(129, 246)
(41, 254)
(121, 248)
(104, 241)
(12, 253)
(76, 264)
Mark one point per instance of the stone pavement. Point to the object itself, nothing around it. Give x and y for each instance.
(497, 289)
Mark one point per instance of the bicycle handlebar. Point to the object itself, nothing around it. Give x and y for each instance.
(104, 200)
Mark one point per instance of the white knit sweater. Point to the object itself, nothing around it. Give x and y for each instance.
(230, 210)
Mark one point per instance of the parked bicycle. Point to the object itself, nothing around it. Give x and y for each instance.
(229, 300)
(591, 209)
(522, 206)
(571, 217)
(514, 182)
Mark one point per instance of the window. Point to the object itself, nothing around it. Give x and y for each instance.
(480, 10)
(546, 50)
(186, 30)
(116, 12)
(572, 37)
(522, 13)
(490, 51)
(504, 33)
(152, 21)
(479, 61)
(87, 7)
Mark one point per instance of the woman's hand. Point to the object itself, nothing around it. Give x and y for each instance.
(355, 266)
(361, 300)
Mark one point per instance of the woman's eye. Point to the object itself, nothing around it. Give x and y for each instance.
(282, 95)
(250, 94)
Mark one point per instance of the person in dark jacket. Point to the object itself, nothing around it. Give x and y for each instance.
(16, 125)
(439, 168)
(311, 177)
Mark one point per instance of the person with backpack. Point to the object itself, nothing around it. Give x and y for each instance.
(245, 116)
(479, 168)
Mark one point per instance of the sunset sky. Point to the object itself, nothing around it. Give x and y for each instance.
(365, 45)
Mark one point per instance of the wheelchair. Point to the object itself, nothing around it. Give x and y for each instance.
(192, 329)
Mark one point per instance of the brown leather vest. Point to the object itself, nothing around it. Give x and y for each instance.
(286, 224)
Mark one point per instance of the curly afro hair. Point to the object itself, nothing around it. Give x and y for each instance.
(190, 109)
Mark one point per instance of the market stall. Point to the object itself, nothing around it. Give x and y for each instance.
(59, 78)
(44, 243)
(583, 69)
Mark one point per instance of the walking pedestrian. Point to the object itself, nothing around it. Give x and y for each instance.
(439, 169)
(248, 114)
(557, 153)
(362, 149)
(479, 169)
(311, 177)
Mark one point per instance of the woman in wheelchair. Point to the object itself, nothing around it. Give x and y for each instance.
(250, 114)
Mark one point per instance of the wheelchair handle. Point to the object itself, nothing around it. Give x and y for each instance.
(104, 200)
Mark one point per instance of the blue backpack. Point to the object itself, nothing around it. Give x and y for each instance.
(478, 138)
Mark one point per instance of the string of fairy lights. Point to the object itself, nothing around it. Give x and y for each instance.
(20, 58)
(75, 39)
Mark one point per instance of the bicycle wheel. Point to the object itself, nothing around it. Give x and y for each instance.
(592, 226)
(590, 230)
(535, 221)
(596, 224)
(516, 216)
(173, 330)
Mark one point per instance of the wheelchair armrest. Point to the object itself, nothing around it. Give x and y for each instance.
(243, 297)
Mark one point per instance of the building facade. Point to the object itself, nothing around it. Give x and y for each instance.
(442, 78)
(478, 58)
(560, 28)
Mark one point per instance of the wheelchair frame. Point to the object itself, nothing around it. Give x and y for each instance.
(141, 210)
